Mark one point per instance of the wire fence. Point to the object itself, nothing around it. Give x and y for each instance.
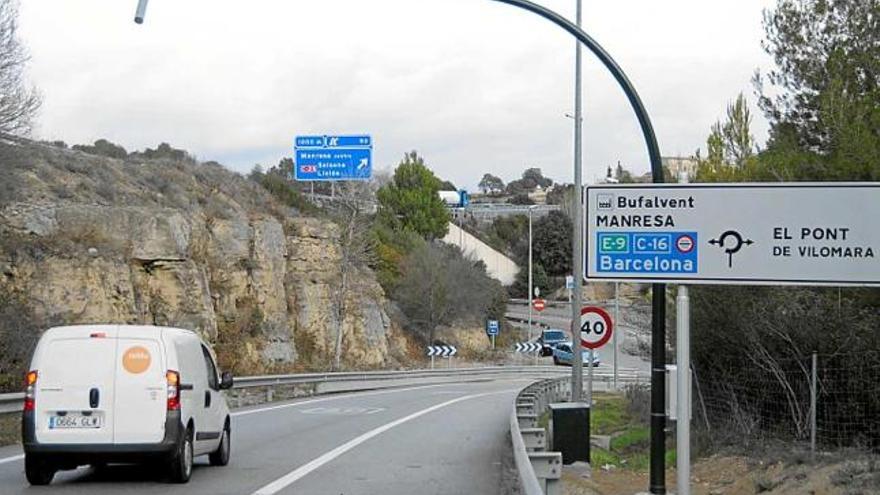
(832, 401)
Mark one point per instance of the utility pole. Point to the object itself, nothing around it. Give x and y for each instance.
(577, 368)
(530, 297)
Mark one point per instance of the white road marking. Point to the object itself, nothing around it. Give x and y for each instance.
(12, 459)
(297, 474)
(333, 397)
(19, 457)
(343, 411)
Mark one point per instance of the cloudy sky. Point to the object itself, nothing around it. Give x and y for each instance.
(475, 86)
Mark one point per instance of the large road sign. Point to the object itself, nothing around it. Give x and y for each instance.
(596, 327)
(332, 158)
(769, 234)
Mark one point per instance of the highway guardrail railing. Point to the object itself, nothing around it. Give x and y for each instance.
(342, 381)
(539, 471)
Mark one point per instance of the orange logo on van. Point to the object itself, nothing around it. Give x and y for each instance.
(136, 360)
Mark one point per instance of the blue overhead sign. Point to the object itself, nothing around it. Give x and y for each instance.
(332, 158)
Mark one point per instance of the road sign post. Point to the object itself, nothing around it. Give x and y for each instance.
(758, 234)
(492, 329)
(596, 330)
(683, 387)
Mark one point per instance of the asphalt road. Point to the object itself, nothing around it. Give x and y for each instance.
(430, 439)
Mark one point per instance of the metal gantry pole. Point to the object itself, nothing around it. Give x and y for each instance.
(577, 253)
(683, 385)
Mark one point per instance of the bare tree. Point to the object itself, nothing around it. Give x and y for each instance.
(439, 287)
(18, 102)
(355, 201)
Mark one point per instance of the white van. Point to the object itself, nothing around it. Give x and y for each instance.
(99, 394)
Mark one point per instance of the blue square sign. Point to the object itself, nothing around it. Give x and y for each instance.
(492, 327)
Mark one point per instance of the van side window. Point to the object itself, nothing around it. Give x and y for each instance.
(212, 370)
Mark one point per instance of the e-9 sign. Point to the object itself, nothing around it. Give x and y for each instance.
(596, 327)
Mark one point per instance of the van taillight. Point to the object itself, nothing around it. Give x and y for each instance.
(30, 390)
(173, 380)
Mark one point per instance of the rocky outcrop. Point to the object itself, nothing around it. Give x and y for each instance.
(91, 239)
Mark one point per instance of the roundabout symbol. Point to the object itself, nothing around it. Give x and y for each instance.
(733, 247)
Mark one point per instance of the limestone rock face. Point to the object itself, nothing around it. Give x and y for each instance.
(87, 239)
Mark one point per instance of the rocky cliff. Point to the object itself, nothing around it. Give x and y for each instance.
(85, 239)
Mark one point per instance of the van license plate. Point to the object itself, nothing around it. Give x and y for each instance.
(74, 421)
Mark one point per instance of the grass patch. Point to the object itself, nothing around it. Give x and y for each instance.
(609, 415)
(602, 457)
(635, 438)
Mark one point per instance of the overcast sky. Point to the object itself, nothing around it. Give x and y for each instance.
(475, 86)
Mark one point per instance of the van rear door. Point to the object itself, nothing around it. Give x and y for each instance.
(75, 389)
(141, 388)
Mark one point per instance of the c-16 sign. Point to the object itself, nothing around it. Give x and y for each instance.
(767, 234)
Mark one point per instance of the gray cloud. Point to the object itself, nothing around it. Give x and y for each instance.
(474, 85)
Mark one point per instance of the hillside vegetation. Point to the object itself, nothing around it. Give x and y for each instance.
(95, 234)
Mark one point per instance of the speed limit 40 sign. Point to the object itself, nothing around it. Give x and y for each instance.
(596, 327)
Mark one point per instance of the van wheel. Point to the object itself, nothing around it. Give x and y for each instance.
(38, 470)
(220, 457)
(182, 459)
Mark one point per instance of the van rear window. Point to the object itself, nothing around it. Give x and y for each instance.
(554, 336)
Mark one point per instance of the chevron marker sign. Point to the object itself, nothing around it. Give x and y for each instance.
(442, 351)
(528, 347)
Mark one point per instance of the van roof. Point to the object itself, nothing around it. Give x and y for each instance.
(121, 328)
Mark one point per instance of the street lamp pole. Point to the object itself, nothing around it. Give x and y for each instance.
(658, 290)
(531, 289)
(577, 369)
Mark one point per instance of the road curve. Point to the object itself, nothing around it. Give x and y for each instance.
(429, 439)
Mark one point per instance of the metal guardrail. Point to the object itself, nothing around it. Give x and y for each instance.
(539, 471)
(11, 403)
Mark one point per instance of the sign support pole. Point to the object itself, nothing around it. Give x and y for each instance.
(577, 369)
(617, 324)
(683, 426)
(590, 377)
